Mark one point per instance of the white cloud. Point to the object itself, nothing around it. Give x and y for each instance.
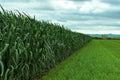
(22, 5)
(94, 6)
(63, 4)
(98, 31)
(29, 9)
(74, 15)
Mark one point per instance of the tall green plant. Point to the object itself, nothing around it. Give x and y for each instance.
(29, 47)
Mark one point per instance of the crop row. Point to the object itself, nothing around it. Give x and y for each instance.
(29, 47)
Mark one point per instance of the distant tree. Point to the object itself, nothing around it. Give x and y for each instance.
(104, 36)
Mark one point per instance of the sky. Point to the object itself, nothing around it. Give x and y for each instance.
(85, 16)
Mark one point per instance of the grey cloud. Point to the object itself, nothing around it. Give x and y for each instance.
(94, 27)
(24, 1)
(101, 24)
(114, 14)
(44, 10)
(112, 2)
(79, 0)
(15, 1)
(98, 24)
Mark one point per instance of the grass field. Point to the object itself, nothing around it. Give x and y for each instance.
(98, 60)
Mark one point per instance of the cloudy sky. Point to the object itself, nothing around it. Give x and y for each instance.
(86, 16)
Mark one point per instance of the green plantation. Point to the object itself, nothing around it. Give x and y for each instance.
(29, 47)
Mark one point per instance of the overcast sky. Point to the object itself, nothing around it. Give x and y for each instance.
(86, 16)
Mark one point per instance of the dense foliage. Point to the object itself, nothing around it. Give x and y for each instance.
(29, 47)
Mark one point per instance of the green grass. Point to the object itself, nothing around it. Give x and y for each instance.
(98, 60)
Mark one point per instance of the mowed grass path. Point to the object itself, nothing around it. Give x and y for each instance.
(98, 60)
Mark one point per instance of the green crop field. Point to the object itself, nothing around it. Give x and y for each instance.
(29, 47)
(32, 49)
(98, 60)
